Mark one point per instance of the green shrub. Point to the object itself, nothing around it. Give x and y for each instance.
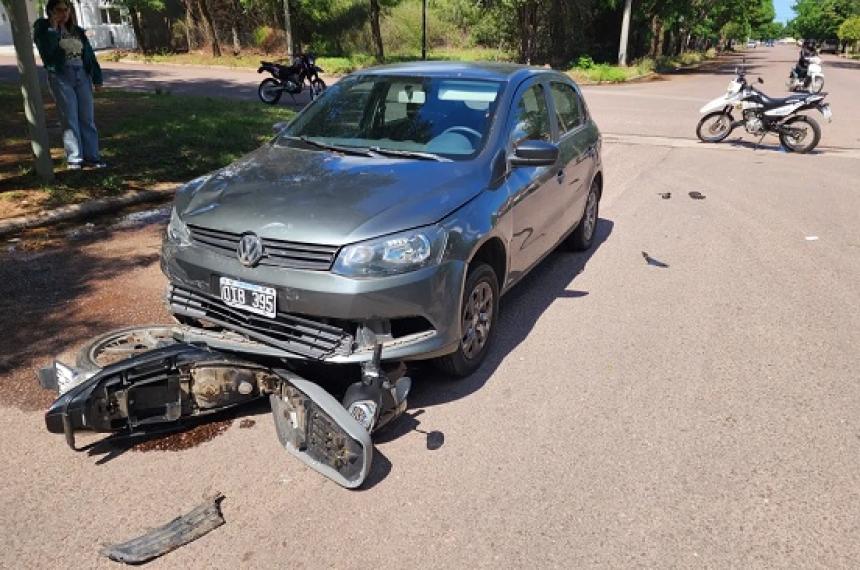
(267, 39)
(585, 62)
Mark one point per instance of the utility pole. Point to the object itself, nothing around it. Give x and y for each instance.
(288, 29)
(424, 30)
(31, 91)
(625, 31)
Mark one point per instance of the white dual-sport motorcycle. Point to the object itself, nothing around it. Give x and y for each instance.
(761, 115)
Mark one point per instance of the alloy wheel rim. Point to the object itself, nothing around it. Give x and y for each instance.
(477, 320)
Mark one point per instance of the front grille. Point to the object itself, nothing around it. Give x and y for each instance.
(276, 253)
(296, 334)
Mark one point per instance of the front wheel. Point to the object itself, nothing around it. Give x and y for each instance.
(817, 84)
(270, 91)
(801, 134)
(116, 345)
(714, 127)
(317, 88)
(478, 313)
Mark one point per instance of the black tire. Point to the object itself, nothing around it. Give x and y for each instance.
(582, 238)
(721, 119)
(806, 143)
(480, 281)
(317, 88)
(270, 91)
(119, 344)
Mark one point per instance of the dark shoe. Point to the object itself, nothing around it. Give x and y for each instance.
(98, 165)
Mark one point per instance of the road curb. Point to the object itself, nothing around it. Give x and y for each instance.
(83, 210)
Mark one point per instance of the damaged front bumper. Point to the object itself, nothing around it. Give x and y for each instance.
(167, 384)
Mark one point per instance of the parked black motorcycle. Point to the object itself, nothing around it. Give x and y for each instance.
(290, 79)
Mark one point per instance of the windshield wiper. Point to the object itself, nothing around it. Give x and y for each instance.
(409, 154)
(336, 148)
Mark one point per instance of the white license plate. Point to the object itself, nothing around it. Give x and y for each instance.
(828, 114)
(249, 297)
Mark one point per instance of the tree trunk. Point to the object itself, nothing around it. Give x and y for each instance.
(625, 31)
(656, 36)
(527, 16)
(375, 30)
(210, 28)
(237, 16)
(31, 91)
(189, 25)
(288, 31)
(138, 32)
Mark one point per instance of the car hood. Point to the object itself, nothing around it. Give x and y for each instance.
(322, 197)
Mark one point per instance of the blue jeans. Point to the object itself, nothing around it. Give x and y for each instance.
(73, 92)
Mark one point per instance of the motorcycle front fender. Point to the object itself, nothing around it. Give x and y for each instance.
(717, 104)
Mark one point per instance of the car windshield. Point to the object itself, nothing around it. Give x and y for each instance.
(417, 117)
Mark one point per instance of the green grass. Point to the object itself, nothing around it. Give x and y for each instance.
(146, 139)
(586, 71)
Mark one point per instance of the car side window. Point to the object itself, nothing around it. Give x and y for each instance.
(567, 106)
(531, 117)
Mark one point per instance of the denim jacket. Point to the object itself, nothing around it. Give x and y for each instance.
(48, 41)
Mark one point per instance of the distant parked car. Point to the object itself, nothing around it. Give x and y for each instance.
(831, 46)
(751, 44)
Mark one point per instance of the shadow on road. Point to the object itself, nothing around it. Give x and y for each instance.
(519, 311)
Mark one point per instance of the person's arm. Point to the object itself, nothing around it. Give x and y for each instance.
(47, 41)
(95, 68)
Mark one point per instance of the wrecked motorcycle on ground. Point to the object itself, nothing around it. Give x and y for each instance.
(142, 378)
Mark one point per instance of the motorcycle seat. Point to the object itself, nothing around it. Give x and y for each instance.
(774, 102)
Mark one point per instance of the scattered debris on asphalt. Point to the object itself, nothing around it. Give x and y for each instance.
(178, 532)
(811, 238)
(653, 262)
(697, 195)
(665, 195)
(247, 423)
(435, 440)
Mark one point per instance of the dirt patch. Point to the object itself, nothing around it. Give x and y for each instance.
(247, 423)
(186, 439)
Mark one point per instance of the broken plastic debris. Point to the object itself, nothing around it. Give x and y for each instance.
(696, 195)
(178, 532)
(665, 195)
(811, 238)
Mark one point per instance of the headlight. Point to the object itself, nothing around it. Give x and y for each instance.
(177, 231)
(394, 254)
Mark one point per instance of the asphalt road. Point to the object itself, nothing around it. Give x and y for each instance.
(696, 412)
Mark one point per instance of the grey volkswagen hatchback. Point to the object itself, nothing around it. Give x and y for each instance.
(403, 202)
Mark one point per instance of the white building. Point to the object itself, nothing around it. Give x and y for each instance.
(107, 26)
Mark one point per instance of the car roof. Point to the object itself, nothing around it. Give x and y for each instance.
(463, 70)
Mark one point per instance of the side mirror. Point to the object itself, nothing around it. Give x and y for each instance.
(535, 153)
(760, 80)
(278, 127)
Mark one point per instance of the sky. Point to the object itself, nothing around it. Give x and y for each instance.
(784, 13)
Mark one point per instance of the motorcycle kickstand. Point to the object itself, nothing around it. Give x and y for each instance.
(758, 143)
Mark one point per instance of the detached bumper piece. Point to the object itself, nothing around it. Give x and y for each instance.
(160, 386)
(181, 530)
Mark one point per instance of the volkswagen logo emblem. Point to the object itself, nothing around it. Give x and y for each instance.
(250, 250)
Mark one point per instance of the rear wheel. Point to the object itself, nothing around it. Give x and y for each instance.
(801, 134)
(270, 91)
(714, 127)
(583, 236)
(478, 313)
(114, 346)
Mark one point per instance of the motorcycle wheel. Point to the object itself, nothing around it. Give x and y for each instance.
(119, 344)
(714, 127)
(817, 84)
(807, 136)
(317, 88)
(270, 91)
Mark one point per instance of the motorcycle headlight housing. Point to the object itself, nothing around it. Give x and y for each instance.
(177, 231)
(394, 254)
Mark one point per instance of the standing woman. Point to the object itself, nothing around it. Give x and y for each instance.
(72, 72)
